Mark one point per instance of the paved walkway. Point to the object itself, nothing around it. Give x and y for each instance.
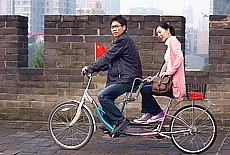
(32, 138)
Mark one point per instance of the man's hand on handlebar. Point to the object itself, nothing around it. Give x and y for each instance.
(84, 70)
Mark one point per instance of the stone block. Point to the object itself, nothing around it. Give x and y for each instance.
(84, 32)
(52, 18)
(95, 38)
(219, 32)
(57, 45)
(98, 25)
(70, 39)
(50, 64)
(7, 110)
(70, 25)
(49, 25)
(53, 31)
(56, 71)
(82, 46)
(148, 39)
(220, 18)
(141, 32)
(30, 84)
(69, 18)
(131, 25)
(104, 31)
(226, 54)
(2, 24)
(30, 71)
(226, 40)
(17, 24)
(172, 19)
(144, 46)
(50, 38)
(39, 118)
(30, 111)
(107, 18)
(83, 18)
(137, 18)
(215, 40)
(152, 18)
(23, 117)
(95, 18)
(9, 31)
(8, 97)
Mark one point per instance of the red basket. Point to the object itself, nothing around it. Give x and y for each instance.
(195, 91)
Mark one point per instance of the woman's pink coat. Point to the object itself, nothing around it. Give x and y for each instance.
(177, 69)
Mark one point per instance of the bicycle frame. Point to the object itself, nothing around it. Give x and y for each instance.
(128, 98)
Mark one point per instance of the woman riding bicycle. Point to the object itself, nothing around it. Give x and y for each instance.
(173, 66)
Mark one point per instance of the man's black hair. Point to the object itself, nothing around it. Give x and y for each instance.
(120, 19)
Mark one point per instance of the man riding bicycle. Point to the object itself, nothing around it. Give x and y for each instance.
(123, 63)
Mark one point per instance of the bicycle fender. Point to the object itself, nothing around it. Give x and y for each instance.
(91, 114)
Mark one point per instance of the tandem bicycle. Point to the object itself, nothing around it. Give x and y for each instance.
(192, 128)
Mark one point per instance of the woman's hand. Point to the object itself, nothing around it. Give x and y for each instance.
(163, 74)
(149, 78)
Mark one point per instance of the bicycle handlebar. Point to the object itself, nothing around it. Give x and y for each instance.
(88, 75)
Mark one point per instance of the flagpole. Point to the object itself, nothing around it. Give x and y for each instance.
(95, 51)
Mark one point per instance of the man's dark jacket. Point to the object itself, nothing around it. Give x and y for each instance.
(122, 61)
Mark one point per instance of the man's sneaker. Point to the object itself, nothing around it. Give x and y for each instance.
(119, 127)
(156, 118)
(143, 118)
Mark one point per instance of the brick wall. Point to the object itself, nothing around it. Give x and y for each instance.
(30, 94)
(219, 59)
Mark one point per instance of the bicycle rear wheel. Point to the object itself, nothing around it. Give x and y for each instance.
(70, 137)
(203, 129)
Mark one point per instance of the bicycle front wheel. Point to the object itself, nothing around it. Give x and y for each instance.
(70, 137)
(202, 129)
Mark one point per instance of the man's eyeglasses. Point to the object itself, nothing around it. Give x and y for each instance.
(115, 26)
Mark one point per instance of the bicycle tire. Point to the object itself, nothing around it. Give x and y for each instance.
(203, 133)
(70, 137)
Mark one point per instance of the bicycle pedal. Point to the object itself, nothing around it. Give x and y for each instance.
(105, 131)
(115, 135)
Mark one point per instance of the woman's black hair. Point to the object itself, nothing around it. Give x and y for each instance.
(120, 19)
(166, 26)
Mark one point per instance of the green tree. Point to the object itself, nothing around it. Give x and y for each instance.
(205, 67)
(36, 54)
(31, 53)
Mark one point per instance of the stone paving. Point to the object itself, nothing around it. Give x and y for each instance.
(32, 138)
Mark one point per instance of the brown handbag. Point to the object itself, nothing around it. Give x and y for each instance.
(162, 85)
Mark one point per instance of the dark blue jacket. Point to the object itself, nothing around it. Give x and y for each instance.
(122, 61)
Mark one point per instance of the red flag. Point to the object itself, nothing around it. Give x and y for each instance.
(99, 50)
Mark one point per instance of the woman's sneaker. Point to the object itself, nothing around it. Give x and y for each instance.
(143, 118)
(156, 118)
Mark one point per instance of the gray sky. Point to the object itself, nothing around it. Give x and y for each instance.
(170, 7)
